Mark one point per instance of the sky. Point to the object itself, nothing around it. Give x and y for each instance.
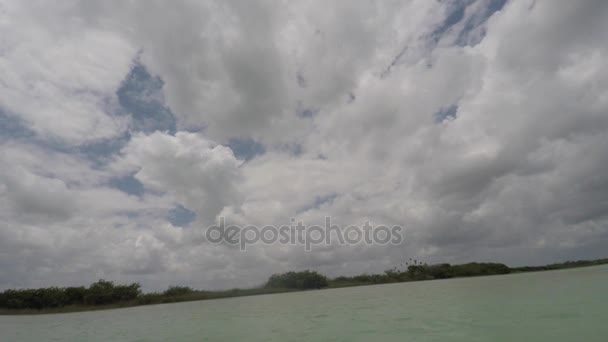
(129, 127)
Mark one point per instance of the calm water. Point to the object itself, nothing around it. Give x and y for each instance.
(570, 305)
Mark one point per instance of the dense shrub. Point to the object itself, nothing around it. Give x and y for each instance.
(297, 280)
(178, 291)
(105, 292)
(75, 295)
(443, 271)
(423, 272)
(99, 293)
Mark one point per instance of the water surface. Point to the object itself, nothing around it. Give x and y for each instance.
(566, 305)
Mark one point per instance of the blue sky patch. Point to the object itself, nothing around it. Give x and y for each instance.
(141, 96)
(246, 149)
(100, 152)
(474, 21)
(128, 184)
(12, 127)
(445, 113)
(319, 201)
(305, 113)
(181, 216)
(456, 13)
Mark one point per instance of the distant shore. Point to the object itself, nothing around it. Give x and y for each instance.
(104, 295)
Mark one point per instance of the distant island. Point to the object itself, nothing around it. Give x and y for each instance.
(105, 294)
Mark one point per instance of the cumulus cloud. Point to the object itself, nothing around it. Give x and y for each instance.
(197, 172)
(478, 126)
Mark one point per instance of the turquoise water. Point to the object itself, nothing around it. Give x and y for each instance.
(567, 305)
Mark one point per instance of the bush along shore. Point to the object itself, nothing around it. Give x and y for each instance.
(105, 294)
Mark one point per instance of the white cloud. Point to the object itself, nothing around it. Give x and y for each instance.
(59, 76)
(200, 174)
(517, 175)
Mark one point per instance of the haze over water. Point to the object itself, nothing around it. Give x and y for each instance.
(565, 305)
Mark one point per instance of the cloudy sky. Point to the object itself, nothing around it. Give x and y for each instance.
(128, 127)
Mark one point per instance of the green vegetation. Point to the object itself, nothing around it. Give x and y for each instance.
(559, 266)
(105, 294)
(174, 291)
(416, 272)
(99, 293)
(52, 300)
(297, 280)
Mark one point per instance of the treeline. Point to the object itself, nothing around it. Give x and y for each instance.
(297, 280)
(100, 293)
(419, 271)
(559, 266)
(106, 294)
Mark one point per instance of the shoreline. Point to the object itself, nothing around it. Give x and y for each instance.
(211, 295)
